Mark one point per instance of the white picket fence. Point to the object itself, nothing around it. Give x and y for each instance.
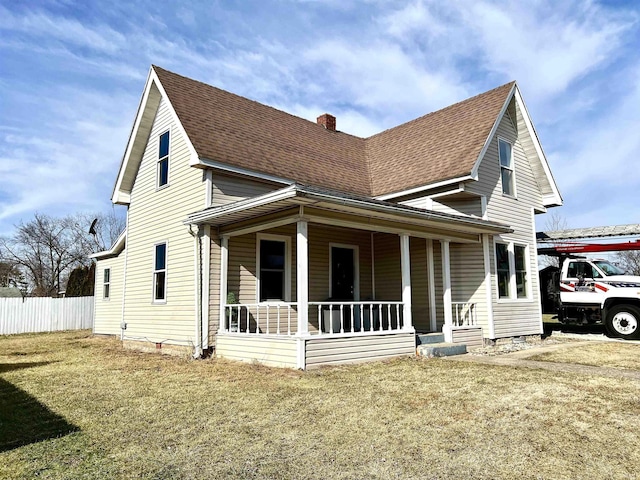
(43, 314)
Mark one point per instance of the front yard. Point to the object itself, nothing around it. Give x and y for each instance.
(72, 406)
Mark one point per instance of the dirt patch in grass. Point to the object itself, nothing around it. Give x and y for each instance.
(610, 354)
(133, 415)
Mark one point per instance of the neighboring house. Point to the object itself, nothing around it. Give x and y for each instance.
(336, 248)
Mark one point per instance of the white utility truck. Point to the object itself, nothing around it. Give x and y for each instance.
(596, 292)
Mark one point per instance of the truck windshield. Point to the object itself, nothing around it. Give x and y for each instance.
(608, 268)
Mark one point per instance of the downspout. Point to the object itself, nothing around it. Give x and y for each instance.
(123, 324)
(198, 314)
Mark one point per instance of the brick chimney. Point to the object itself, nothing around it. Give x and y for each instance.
(327, 121)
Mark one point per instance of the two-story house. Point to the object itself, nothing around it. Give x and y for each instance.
(259, 235)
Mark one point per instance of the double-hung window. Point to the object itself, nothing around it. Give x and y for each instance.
(163, 160)
(106, 285)
(512, 271)
(505, 152)
(160, 273)
(273, 264)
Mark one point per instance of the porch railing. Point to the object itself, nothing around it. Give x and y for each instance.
(352, 317)
(325, 318)
(265, 318)
(465, 314)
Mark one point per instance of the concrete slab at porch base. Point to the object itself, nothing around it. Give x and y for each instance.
(441, 349)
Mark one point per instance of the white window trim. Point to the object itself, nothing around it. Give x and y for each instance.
(104, 284)
(166, 274)
(356, 268)
(512, 168)
(158, 159)
(287, 265)
(513, 287)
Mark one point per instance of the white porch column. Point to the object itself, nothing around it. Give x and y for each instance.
(433, 325)
(405, 266)
(487, 284)
(302, 276)
(224, 265)
(446, 287)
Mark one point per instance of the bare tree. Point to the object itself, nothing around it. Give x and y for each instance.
(629, 261)
(554, 223)
(46, 249)
(103, 229)
(10, 275)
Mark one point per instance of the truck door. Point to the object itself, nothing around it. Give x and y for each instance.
(578, 283)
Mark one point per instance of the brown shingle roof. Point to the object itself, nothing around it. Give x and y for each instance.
(239, 132)
(438, 146)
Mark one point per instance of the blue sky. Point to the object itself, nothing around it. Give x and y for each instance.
(71, 74)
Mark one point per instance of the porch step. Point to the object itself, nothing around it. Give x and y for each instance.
(441, 349)
(424, 338)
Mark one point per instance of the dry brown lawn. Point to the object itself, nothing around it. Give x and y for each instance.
(606, 354)
(72, 406)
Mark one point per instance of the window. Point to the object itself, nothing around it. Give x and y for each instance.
(163, 160)
(512, 268)
(521, 271)
(106, 283)
(505, 153)
(160, 273)
(502, 262)
(273, 268)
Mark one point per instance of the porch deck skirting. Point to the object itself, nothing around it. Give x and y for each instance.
(312, 350)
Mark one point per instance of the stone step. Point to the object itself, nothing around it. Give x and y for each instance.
(441, 349)
(423, 338)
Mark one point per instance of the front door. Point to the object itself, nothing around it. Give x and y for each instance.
(342, 273)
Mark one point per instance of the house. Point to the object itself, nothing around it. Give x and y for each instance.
(258, 235)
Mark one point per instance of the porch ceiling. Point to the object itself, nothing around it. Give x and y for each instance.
(297, 202)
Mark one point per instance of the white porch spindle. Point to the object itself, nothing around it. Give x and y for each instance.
(405, 264)
(224, 263)
(446, 283)
(302, 276)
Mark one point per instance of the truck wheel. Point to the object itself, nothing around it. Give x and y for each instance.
(623, 321)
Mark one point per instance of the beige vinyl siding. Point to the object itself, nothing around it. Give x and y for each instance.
(334, 351)
(467, 279)
(388, 275)
(471, 337)
(214, 288)
(417, 202)
(437, 267)
(521, 316)
(419, 284)
(464, 206)
(228, 189)
(155, 216)
(108, 312)
(270, 351)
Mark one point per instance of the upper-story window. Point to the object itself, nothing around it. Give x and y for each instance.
(505, 152)
(163, 160)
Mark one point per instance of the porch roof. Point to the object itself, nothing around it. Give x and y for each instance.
(303, 201)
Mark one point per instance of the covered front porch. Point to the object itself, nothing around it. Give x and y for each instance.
(311, 281)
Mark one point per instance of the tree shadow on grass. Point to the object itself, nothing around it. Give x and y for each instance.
(23, 419)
